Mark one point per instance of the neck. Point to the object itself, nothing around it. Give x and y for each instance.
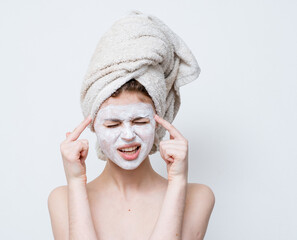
(128, 182)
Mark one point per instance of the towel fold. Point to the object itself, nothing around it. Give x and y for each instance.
(142, 47)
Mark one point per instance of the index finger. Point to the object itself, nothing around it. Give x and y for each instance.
(79, 129)
(171, 129)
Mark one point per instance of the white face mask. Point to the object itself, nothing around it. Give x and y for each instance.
(112, 135)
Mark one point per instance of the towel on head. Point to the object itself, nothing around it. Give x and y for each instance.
(139, 46)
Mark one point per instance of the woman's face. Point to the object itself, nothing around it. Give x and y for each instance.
(125, 129)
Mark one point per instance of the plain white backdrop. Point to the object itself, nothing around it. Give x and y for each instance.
(239, 116)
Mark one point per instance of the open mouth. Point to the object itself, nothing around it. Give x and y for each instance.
(130, 150)
(130, 153)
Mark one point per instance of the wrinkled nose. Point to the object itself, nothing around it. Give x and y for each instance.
(128, 133)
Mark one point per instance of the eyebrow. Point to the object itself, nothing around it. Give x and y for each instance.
(112, 119)
(118, 120)
(139, 118)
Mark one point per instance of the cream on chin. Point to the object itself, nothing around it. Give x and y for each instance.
(126, 133)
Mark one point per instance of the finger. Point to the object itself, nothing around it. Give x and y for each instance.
(82, 145)
(163, 157)
(85, 141)
(169, 158)
(170, 153)
(166, 157)
(174, 133)
(82, 142)
(79, 129)
(180, 145)
(84, 153)
(173, 142)
(67, 134)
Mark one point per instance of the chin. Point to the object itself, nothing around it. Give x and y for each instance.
(129, 165)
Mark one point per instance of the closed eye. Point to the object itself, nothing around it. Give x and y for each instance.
(140, 123)
(113, 126)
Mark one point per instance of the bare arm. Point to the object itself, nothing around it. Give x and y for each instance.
(199, 205)
(57, 206)
(75, 199)
(81, 225)
(175, 153)
(169, 223)
(70, 213)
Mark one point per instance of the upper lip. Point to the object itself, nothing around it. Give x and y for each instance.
(129, 145)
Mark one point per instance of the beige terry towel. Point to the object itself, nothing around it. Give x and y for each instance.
(142, 47)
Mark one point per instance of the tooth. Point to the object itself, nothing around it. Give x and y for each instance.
(129, 149)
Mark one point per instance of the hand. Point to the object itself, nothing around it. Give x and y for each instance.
(174, 152)
(74, 153)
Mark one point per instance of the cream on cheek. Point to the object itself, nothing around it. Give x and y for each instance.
(127, 131)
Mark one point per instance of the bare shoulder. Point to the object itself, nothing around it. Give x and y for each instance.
(201, 192)
(58, 190)
(57, 197)
(200, 200)
(58, 210)
(199, 205)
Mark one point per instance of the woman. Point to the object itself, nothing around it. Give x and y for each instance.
(131, 87)
(129, 204)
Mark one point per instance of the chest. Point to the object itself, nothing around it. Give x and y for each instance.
(117, 219)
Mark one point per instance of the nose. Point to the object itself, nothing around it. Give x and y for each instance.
(128, 133)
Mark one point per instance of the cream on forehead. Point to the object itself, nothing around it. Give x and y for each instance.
(110, 139)
(122, 112)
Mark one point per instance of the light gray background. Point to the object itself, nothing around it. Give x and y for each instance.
(239, 115)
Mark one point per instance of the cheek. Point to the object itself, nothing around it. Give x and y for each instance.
(146, 132)
(107, 136)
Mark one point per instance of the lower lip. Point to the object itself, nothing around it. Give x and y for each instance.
(129, 156)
